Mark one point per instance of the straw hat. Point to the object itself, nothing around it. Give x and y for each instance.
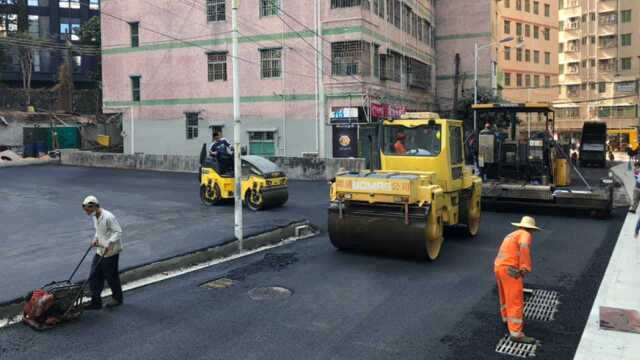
(527, 222)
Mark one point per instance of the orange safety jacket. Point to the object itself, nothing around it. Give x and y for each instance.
(399, 147)
(514, 251)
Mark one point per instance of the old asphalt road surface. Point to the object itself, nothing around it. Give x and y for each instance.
(342, 305)
(44, 232)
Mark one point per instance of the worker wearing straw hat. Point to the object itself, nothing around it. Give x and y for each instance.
(511, 265)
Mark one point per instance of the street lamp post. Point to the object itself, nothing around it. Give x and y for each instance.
(475, 74)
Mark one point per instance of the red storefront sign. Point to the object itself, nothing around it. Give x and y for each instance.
(377, 110)
(387, 111)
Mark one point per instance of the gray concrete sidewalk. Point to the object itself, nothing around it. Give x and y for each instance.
(620, 288)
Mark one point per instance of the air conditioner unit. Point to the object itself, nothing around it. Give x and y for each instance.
(573, 25)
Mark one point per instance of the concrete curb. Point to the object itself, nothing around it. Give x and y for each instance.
(11, 309)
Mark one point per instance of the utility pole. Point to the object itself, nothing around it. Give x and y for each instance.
(321, 111)
(456, 84)
(237, 166)
(475, 88)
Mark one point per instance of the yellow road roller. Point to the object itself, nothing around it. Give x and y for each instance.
(422, 185)
(264, 184)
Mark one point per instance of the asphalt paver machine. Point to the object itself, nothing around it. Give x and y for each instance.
(521, 162)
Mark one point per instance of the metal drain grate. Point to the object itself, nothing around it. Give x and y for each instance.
(508, 347)
(541, 305)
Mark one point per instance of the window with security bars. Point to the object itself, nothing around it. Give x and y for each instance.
(134, 29)
(378, 7)
(376, 61)
(608, 18)
(608, 41)
(625, 87)
(391, 66)
(216, 10)
(349, 3)
(262, 143)
(397, 13)
(350, 58)
(217, 66)
(568, 113)
(191, 122)
(135, 88)
(418, 74)
(621, 112)
(271, 63)
(269, 7)
(406, 19)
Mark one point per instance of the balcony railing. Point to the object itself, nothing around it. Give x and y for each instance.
(572, 25)
(572, 47)
(607, 67)
(608, 44)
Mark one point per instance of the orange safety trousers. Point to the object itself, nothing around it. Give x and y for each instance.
(510, 291)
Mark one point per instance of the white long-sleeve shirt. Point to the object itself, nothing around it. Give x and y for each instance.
(108, 232)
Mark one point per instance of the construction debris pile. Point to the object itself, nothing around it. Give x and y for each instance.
(10, 158)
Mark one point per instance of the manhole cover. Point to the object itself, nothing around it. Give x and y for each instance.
(541, 305)
(508, 347)
(269, 293)
(221, 283)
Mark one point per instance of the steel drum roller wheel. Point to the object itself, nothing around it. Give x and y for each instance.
(473, 220)
(210, 196)
(434, 238)
(254, 200)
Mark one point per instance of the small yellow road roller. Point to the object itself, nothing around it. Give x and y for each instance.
(264, 184)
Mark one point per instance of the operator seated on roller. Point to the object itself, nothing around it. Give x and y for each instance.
(222, 151)
(511, 265)
(487, 129)
(399, 146)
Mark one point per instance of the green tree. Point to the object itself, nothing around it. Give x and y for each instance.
(25, 59)
(90, 32)
(463, 110)
(90, 37)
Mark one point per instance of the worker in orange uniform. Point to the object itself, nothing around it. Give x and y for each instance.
(399, 144)
(511, 265)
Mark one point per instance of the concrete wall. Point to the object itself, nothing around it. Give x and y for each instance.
(168, 136)
(296, 168)
(11, 135)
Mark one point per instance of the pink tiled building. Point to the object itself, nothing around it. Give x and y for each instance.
(167, 69)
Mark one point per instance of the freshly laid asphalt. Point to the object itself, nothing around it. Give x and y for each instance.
(344, 305)
(44, 232)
